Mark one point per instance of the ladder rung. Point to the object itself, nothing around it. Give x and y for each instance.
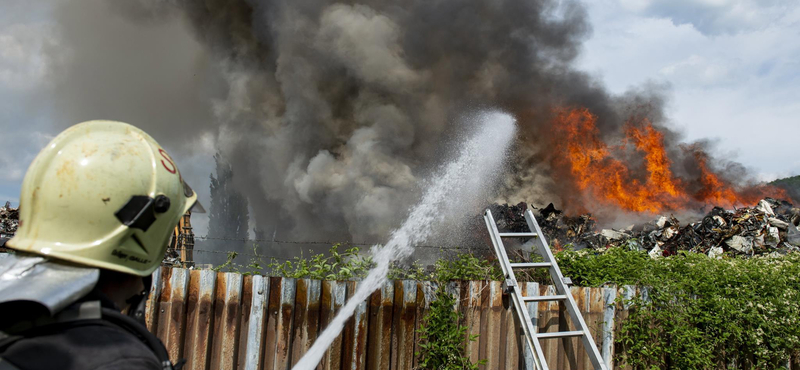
(517, 235)
(559, 334)
(525, 265)
(521, 303)
(544, 298)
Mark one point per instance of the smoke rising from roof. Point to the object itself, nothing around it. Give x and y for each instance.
(331, 112)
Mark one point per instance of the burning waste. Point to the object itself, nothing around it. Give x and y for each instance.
(768, 228)
(638, 175)
(9, 221)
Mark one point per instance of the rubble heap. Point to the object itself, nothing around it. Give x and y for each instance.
(770, 227)
(510, 218)
(9, 220)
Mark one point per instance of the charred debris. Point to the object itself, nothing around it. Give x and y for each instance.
(9, 221)
(771, 227)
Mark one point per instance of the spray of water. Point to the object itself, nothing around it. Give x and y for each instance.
(477, 166)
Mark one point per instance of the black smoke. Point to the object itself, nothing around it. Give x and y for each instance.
(330, 113)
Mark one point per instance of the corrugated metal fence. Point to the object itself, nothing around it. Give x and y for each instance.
(229, 321)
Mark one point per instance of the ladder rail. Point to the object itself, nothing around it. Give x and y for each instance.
(516, 296)
(562, 289)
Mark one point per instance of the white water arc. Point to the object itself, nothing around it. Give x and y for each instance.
(477, 166)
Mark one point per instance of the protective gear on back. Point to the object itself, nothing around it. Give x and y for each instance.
(35, 279)
(102, 194)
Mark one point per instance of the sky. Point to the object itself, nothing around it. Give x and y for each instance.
(730, 69)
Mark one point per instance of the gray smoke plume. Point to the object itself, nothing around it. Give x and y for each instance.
(335, 110)
(330, 113)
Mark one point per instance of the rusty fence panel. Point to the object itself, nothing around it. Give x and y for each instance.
(229, 321)
(548, 320)
(277, 348)
(425, 293)
(354, 336)
(470, 301)
(379, 334)
(491, 322)
(333, 298)
(530, 290)
(509, 327)
(627, 293)
(254, 316)
(306, 317)
(403, 325)
(609, 314)
(172, 312)
(151, 309)
(200, 312)
(227, 305)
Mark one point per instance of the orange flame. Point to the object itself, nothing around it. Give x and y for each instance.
(648, 140)
(595, 170)
(713, 189)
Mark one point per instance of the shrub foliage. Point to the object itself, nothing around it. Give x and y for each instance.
(699, 312)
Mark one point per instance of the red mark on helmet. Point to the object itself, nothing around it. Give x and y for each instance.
(171, 167)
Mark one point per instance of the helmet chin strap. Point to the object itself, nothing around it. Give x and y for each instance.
(138, 302)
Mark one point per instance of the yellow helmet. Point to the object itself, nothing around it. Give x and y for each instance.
(102, 194)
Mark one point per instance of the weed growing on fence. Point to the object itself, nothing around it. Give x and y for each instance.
(700, 312)
(466, 267)
(333, 266)
(413, 272)
(229, 265)
(442, 336)
(252, 268)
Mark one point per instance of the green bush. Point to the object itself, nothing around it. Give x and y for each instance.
(618, 266)
(442, 336)
(700, 312)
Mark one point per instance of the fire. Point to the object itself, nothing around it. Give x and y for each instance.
(597, 170)
(648, 140)
(713, 189)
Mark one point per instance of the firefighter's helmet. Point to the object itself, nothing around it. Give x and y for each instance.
(102, 194)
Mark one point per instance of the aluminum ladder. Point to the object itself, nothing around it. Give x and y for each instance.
(559, 281)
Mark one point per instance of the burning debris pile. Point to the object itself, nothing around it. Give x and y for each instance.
(642, 171)
(9, 220)
(769, 227)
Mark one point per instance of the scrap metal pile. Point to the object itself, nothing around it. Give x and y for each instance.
(9, 220)
(770, 227)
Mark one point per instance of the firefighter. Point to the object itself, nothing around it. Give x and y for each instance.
(97, 208)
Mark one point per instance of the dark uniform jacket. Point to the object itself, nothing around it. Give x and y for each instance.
(81, 346)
